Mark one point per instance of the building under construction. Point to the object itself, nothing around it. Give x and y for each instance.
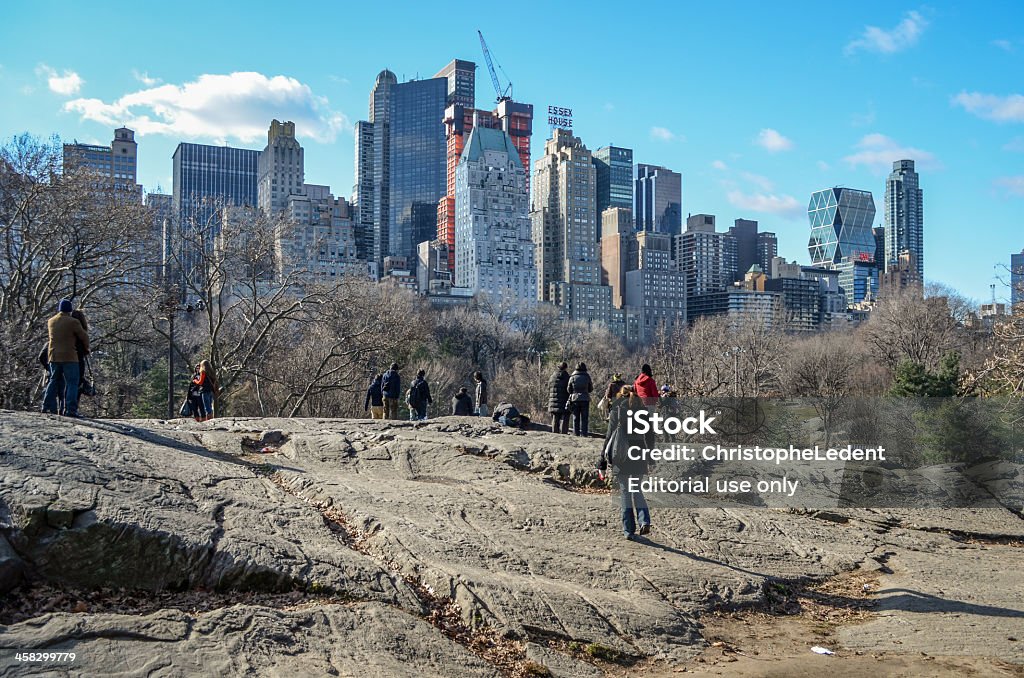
(459, 119)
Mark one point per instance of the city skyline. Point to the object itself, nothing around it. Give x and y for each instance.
(747, 133)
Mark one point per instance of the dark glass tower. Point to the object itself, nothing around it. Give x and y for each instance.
(417, 153)
(614, 177)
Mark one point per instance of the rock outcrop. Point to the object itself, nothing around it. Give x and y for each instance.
(431, 545)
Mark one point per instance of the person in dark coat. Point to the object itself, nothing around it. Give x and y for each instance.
(375, 398)
(391, 386)
(419, 397)
(580, 387)
(558, 399)
(614, 454)
(482, 409)
(462, 404)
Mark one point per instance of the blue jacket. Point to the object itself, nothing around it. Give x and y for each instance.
(392, 384)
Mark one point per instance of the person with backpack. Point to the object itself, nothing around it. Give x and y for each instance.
(645, 386)
(391, 387)
(85, 387)
(615, 455)
(481, 394)
(62, 356)
(610, 394)
(418, 397)
(196, 404)
(462, 404)
(375, 398)
(579, 388)
(558, 399)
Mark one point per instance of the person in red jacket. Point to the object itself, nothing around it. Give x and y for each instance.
(646, 388)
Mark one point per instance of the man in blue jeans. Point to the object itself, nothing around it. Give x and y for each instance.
(63, 356)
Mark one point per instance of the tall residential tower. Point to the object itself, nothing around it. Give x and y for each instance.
(904, 216)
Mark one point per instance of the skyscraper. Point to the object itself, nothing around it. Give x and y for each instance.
(752, 247)
(416, 163)
(904, 215)
(281, 168)
(118, 161)
(659, 200)
(208, 177)
(707, 259)
(461, 77)
(372, 175)
(842, 239)
(1017, 283)
(492, 224)
(614, 177)
(564, 220)
(514, 118)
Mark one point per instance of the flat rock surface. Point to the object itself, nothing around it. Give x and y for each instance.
(433, 532)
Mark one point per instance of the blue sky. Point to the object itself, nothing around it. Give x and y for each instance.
(756, 104)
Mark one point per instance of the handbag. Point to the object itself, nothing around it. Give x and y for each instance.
(186, 408)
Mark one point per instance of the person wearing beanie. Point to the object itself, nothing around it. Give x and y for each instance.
(64, 331)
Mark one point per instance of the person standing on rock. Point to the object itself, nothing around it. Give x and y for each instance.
(201, 391)
(481, 394)
(64, 331)
(645, 386)
(580, 387)
(614, 454)
(610, 394)
(391, 386)
(462, 404)
(375, 398)
(419, 397)
(558, 399)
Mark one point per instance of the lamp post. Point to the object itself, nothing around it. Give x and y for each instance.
(172, 307)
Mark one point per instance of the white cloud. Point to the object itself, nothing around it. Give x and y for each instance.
(145, 79)
(664, 134)
(66, 84)
(1011, 185)
(1008, 108)
(781, 205)
(771, 140)
(905, 34)
(719, 165)
(823, 166)
(219, 107)
(1015, 144)
(764, 183)
(1004, 45)
(877, 152)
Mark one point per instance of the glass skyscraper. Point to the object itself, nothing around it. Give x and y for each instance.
(614, 177)
(842, 239)
(904, 216)
(417, 154)
(659, 200)
(841, 221)
(206, 177)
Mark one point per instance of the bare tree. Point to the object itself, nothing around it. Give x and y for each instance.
(71, 235)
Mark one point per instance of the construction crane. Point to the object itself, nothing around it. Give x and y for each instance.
(503, 94)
